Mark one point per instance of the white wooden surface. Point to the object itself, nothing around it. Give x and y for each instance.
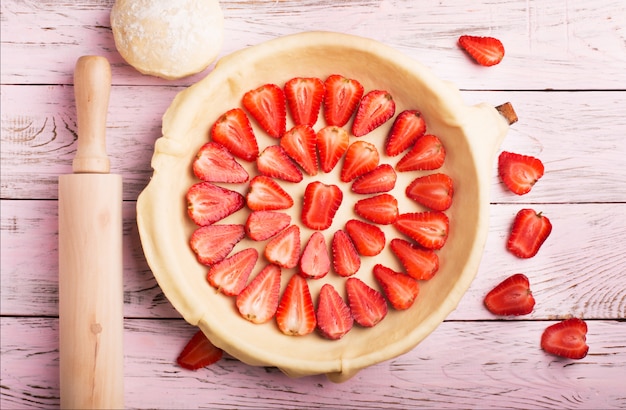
(565, 73)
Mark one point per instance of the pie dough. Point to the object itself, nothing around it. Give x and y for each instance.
(168, 39)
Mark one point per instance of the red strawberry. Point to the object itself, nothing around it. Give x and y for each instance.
(265, 194)
(233, 131)
(530, 230)
(368, 239)
(274, 162)
(346, 259)
(214, 163)
(208, 203)
(380, 179)
(258, 301)
(434, 191)
(199, 352)
(361, 157)
(315, 261)
(401, 290)
(429, 229)
(212, 243)
(376, 108)
(284, 249)
(519, 172)
(300, 144)
(419, 263)
(334, 319)
(381, 209)
(332, 142)
(368, 306)
(341, 99)
(320, 204)
(304, 99)
(230, 275)
(512, 296)
(295, 315)
(487, 51)
(262, 225)
(567, 338)
(408, 126)
(427, 154)
(267, 106)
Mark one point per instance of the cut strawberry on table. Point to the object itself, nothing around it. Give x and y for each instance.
(268, 107)
(332, 143)
(334, 318)
(380, 179)
(233, 131)
(368, 239)
(361, 158)
(214, 163)
(265, 194)
(567, 338)
(304, 99)
(230, 275)
(512, 296)
(208, 203)
(315, 260)
(376, 108)
(341, 98)
(346, 260)
(530, 230)
(300, 143)
(487, 51)
(519, 172)
(321, 202)
(418, 262)
(284, 248)
(408, 126)
(427, 154)
(433, 191)
(212, 243)
(199, 352)
(368, 306)
(401, 290)
(258, 301)
(262, 225)
(381, 209)
(429, 229)
(274, 162)
(295, 315)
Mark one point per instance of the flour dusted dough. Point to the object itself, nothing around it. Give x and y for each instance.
(166, 38)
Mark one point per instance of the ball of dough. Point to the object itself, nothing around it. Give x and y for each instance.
(166, 38)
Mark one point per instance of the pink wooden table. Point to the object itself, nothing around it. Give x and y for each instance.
(565, 73)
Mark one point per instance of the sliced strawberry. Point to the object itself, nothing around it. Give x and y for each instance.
(427, 154)
(332, 143)
(401, 290)
(434, 191)
(295, 315)
(380, 179)
(300, 144)
(304, 99)
(284, 249)
(487, 51)
(567, 338)
(262, 225)
(512, 296)
(233, 131)
(419, 263)
(320, 204)
(368, 239)
(530, 230)
(267, 106)
(212, 243)
(519, 172)
(230, 275)
(429, 229)
(315, 260)
(208, 203)
(265, 194)
(258, 301)
(214, 163)
(274, 162)
(361, 157)
(346, 259)
(376, 108)
(199, 352)
(408, 126)
(341, 98)
(381, 209)
(334, 319)
(368, 306)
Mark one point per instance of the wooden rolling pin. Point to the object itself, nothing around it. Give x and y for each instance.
(91, 321)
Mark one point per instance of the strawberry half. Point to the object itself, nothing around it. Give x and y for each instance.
(381, 209)
(487, 51)
(284, 249)
(368, 239)
(368, 306)
(408, 126)
(320, 204)
(304, 99)
(230, 275)
(295, 315)
(258, 301)
(419, 263)
(519, 172)
(265, 194)
(530, 230)
(267, 106)
(346, 259)
(300, 144)
(429, 229)
(567, 338)
(380, 179)
(361, 157)
(334, 318)
(262, 225)
(315, 261)
(434, 191)
(208, 203)
(212, 243)
(512, 296)
(274, 162)
(376, 108)
(401, 290)
(233, 131)
(214, 163)
(332, 142)
(342, 96)
(427, 154)
(199, 352)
